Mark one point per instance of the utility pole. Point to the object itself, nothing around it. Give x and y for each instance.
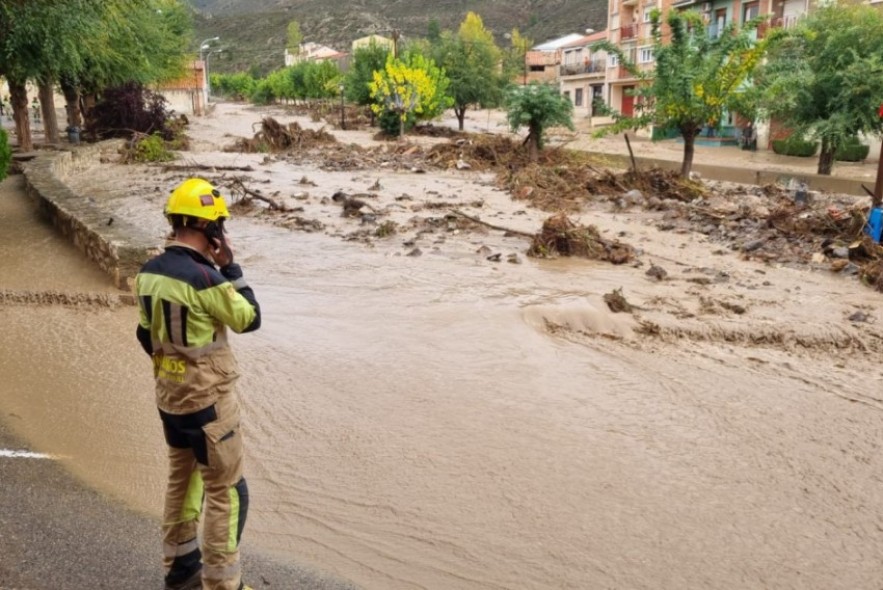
(341, 87)
(204, 46)
(208, 83)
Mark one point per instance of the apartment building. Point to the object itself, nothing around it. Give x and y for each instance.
(542, 61)
(629, 28)
(583, 74)
(628, 25)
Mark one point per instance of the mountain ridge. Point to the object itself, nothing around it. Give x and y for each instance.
(253, 32)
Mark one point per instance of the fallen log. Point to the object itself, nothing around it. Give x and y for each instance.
(252, 194)
(491, 225)
(168, 167)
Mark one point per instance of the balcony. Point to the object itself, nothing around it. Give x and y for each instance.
(623, 74)
(628, 32)
(595, 66)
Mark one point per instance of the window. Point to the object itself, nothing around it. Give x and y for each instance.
(647, 11)
(750, 11)
(612, 60)
(645, 55)
(578, 97)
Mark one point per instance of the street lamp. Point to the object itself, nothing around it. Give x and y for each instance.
(342, 109)
(205, 44)
(202, 47)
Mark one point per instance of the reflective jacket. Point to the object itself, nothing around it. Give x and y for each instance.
(186, 305)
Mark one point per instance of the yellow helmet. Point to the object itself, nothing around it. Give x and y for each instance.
(196, 197)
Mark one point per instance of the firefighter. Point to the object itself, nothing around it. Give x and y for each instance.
(188, 296)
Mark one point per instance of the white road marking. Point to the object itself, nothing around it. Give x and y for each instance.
(11, 454)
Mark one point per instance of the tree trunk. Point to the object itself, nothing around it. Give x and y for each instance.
(533, 146)
(826, 158)
(47, 104)
(18, 95)
(461, 115)
(72, 97)
(689, 150)
(87, 103)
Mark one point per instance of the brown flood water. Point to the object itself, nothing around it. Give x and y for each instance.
(413, 423)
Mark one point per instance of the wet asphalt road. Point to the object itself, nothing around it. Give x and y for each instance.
(56, 534)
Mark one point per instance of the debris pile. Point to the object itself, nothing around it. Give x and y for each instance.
(664, 184)
(560, 236)
(275, 137)
(617, 302)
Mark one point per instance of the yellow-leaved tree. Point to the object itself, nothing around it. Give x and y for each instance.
(411, 88)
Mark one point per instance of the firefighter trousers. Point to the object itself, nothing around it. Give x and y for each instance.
(205, 466)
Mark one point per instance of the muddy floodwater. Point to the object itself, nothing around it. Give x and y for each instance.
(444, 422)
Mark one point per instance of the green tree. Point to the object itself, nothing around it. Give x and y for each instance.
(515, 59)
(33, 34)
(239, 86)
(294, 37)
(280, 84)
(366, 60)
(537, 107)
(433, 30)
(321, 79)
(142, 41)
(470, 60)
(696, 78)
(825, 80)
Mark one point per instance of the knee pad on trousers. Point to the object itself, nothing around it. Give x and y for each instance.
(242, 490)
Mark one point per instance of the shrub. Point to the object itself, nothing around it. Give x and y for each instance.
(852, 151)
(389, 122)
(795, 146)
(129, 108)
(152, 149)
(263, 93)
(5, 154)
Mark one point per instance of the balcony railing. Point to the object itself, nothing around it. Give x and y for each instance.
(628, 31)
(595, 66)
(786, 22)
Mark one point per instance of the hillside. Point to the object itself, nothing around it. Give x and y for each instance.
(253, 31)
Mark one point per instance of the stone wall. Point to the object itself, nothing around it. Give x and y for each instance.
(118, 248)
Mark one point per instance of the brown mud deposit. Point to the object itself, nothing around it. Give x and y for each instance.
(427, 407)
